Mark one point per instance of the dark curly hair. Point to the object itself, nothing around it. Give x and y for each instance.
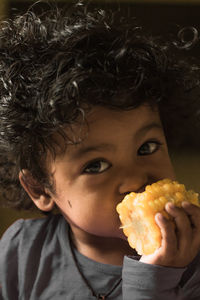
(56, 65)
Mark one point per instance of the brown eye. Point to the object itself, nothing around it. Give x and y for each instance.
(96, 167)
(149, 148)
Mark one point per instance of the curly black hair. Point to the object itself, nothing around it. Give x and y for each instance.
(56, 65)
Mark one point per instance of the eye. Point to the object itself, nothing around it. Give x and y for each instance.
(149, 148)
(96, 167)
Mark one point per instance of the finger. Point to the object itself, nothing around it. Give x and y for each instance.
(169, 240)
(193, 212)
(183, 225)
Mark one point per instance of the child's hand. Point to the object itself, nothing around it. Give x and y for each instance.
(180, 243)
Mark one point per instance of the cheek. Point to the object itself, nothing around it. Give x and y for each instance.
(90, 204)
(92, 213)
(167, 168)
(161, 165)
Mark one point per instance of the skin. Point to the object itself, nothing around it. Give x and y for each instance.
(180, 246)
(121, 151)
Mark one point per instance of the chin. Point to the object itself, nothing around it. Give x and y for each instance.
(118, 235)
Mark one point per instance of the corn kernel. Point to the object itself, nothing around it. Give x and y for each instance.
(137, 212)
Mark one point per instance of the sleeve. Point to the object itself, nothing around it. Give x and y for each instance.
(150, 282)
(9, 245)
(190, 282)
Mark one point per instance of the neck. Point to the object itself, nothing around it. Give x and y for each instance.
(101, 249)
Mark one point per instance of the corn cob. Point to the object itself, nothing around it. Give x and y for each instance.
(137, 212)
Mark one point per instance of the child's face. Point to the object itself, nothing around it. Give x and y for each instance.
(123, 152)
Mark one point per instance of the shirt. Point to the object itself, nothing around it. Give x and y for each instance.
(36, 263)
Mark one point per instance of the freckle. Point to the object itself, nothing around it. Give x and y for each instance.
(69, 203)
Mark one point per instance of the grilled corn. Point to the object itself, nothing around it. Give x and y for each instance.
(137, 212)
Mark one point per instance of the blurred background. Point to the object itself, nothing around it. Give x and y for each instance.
(159, 17)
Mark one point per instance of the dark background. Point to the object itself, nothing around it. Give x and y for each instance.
(159, 17)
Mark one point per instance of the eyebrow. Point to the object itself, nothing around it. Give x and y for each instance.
(110, 147)
(148, 127)
(84, 150)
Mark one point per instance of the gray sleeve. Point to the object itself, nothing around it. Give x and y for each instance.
(9, 261)
(191, 280)
(150, 282)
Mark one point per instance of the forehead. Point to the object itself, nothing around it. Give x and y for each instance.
(137, 116)
(103, 124)
(104, 128)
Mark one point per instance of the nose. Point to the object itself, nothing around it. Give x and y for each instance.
(133, 180)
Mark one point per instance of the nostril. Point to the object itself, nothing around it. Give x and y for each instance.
(124, 194)
(140, 190)
(131, 183)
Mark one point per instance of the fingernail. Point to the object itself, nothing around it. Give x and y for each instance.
(170, 205)
(185, 204)
(160, 217)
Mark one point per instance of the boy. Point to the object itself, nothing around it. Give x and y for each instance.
(84, 105)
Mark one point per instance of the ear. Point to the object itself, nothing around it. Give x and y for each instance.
(36, 191)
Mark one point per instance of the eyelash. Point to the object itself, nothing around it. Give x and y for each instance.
(101, 160)
(157, 143)
(89, 165)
